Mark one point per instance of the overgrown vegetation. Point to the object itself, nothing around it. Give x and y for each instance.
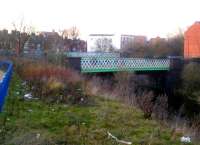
(52, 83)
(138, 91)
(191, 81)
(33, 122)
(133, 90)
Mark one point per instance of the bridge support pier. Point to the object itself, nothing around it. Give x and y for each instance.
(173, 82)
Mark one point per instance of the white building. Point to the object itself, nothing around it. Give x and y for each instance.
(102, 42)
(126, 40)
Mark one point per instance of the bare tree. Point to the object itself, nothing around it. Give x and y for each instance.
(176, 44)
(74, 32)
(64, 33)
(104, 45)
(71, 33)
(21, 29)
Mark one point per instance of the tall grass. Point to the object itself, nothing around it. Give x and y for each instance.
(154, 106)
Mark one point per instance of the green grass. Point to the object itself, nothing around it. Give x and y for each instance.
(36, 123)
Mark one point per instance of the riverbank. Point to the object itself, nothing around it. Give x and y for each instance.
(31, 122)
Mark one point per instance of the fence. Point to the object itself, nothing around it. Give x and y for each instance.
(7, 67)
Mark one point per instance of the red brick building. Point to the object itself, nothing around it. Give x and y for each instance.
(76, 45)
(156, 40)
(192, 41)
(140, 40)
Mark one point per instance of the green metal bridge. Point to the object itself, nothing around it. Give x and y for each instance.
(112, 62)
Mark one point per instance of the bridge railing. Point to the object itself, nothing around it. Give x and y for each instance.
(7, 67)
(92, 54)
(97, 64)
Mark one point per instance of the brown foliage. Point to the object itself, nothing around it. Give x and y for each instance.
(145, 102)
(160, 109)
(53, 83)
(196, 125)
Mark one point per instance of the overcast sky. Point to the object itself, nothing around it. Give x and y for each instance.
(139, 17)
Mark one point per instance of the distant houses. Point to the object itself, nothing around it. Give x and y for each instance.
(130, 41)
(76, 45)
(156, 40)
(45, 42)
(135, 41)
(41, 43)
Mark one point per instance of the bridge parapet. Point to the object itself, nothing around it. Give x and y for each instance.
(97, 64)
(92, 54)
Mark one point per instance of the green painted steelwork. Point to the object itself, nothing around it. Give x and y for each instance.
(92, 54)
(96, 64)
(121, 70)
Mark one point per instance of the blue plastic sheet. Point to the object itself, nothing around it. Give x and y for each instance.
(7, 67)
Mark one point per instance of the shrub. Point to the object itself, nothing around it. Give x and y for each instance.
(125, 87)
(123, 81)
(53, 83)
(145, 102)
(190, 90)
(196, 125)
(191, 81)
(160, 108)
(56, 58)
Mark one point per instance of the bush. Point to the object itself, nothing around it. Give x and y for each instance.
(160, 109)
(146, 104)
(56, 58)
(123, 86)
(190, 90)
(196, 126)
(135, 90)
(191, 81)
(53, 83)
